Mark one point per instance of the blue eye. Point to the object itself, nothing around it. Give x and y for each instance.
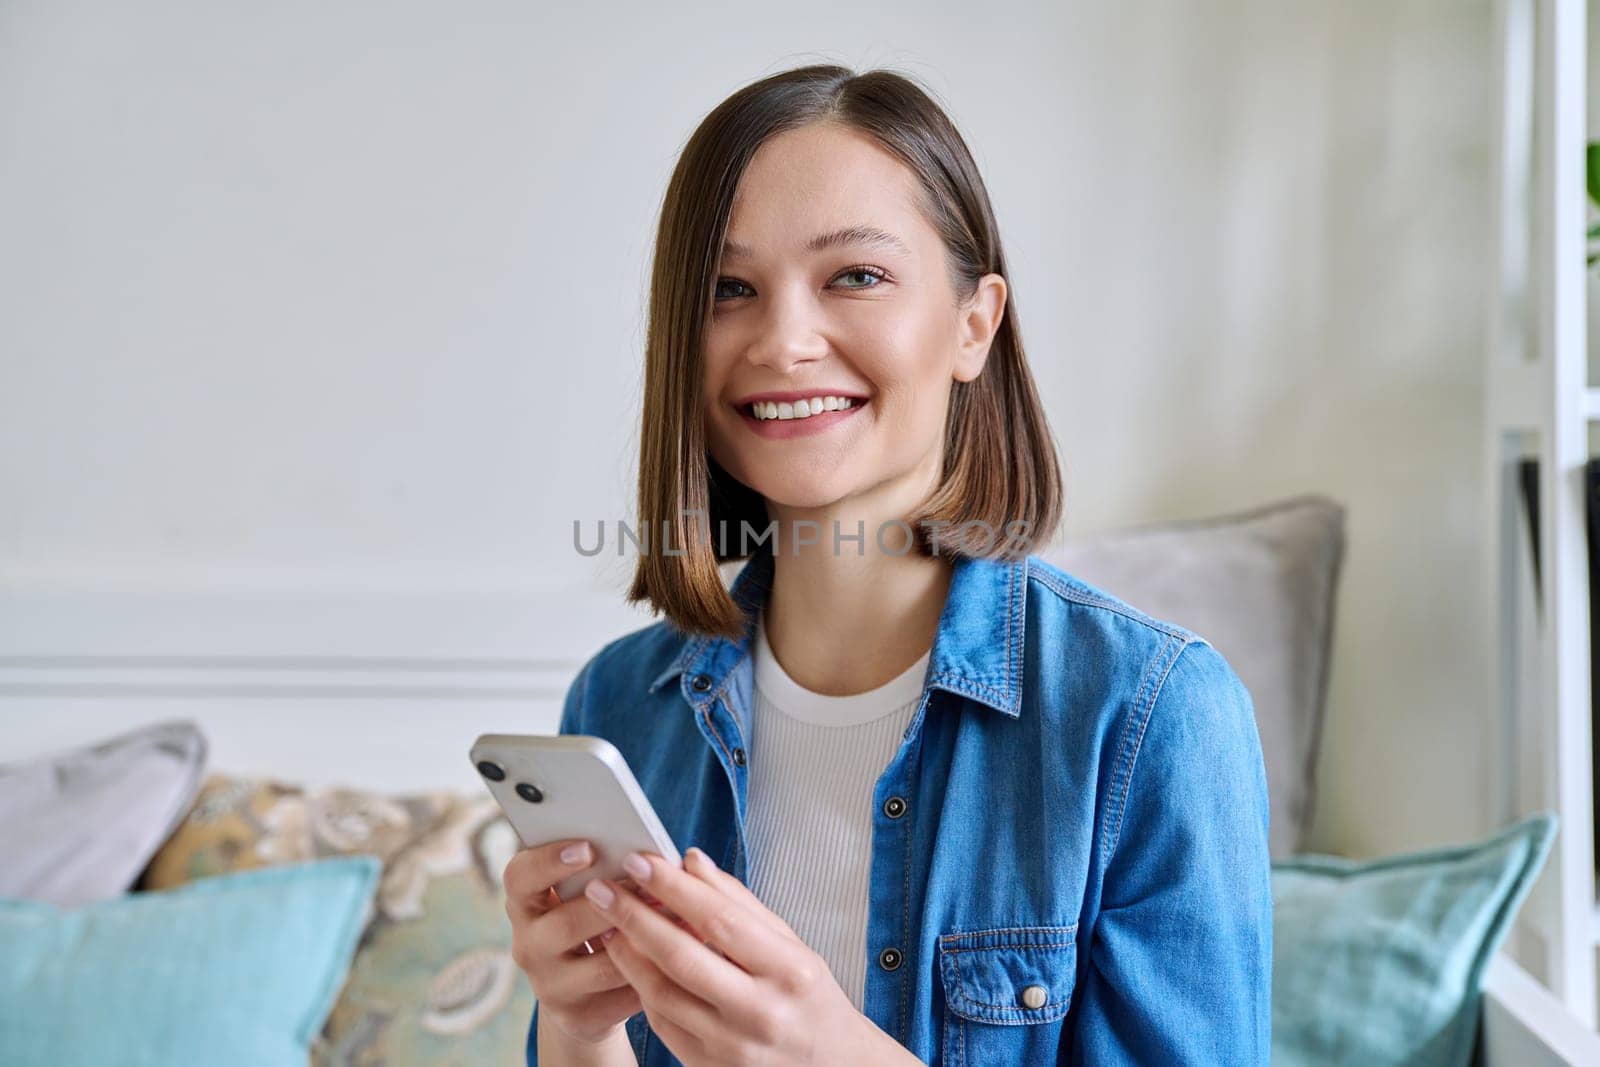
(863, 272)
(859, 272)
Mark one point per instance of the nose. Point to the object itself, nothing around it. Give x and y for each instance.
(787, 336)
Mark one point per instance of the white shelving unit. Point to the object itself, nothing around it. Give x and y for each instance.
(1539, 403)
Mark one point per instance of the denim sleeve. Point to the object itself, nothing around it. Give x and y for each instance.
(1180, 967)
(571, 723)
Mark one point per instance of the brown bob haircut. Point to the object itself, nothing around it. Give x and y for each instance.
(999, 464)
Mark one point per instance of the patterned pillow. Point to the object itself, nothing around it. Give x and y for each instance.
(432, 980)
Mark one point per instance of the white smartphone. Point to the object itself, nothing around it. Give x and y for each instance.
(556, 786)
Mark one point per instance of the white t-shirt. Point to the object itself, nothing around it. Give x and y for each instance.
(814, 761)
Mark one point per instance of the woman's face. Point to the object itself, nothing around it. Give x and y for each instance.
(869, 314)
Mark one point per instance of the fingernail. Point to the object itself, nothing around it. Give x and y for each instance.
(637, 866)
(600, 893)
(608, 934)
(575, 854)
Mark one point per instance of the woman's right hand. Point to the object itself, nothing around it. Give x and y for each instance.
(582, 994)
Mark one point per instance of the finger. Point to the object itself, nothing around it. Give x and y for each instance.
(656, 903)
(727, 922)
(532, 872)
(676, 953)
(570, 925)
(585, 928)
(703, 867)
(584, 976)
(677, 1016)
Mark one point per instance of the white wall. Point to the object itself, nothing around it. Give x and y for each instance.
(319, 325)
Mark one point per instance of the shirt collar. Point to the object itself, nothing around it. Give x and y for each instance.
(977, 651)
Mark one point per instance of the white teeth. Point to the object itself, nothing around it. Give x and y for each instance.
(799, 409)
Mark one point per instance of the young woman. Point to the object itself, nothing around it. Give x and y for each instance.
(948, 803)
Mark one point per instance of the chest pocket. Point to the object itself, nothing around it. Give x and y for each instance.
(1006, 992)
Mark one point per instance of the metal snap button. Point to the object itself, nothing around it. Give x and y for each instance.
(1035, 996)
(889, 959)
(701, 683)
(894, 807)
(738, 756)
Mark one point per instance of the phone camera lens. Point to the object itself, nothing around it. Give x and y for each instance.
(530, 793)
(491, 770)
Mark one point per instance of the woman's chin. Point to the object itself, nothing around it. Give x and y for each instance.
(803, 502)
(791, 498)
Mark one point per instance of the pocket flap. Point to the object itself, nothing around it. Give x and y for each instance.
(1014, 975)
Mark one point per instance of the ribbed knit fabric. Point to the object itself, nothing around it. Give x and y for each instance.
(814, 761)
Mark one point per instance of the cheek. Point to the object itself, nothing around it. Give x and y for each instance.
(724, 445)
(720, 431)
(714, 362)
(715, 415)
(914, 405)
(916, 427)
(912, 365)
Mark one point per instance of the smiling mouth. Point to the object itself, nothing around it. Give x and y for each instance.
(798, 410)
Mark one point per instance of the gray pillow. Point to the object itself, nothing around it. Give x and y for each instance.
(1259, 585)
(79, 826)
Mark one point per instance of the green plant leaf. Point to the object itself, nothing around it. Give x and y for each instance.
(1592, 168)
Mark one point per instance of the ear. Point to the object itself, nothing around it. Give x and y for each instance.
(980, 320)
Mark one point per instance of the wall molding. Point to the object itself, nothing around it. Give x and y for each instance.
(284, 677)
(307, 643)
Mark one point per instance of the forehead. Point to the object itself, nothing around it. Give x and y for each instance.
(821, 179)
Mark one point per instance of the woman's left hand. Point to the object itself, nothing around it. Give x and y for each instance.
(768, 998)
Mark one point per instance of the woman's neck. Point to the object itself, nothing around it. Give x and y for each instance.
(845, 624)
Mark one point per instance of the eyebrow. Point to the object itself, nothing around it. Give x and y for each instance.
(868, 236)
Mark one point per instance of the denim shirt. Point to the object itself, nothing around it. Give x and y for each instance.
(1069, 850)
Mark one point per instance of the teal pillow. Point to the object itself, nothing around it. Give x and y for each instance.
(241, 969)
(1382, 962)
